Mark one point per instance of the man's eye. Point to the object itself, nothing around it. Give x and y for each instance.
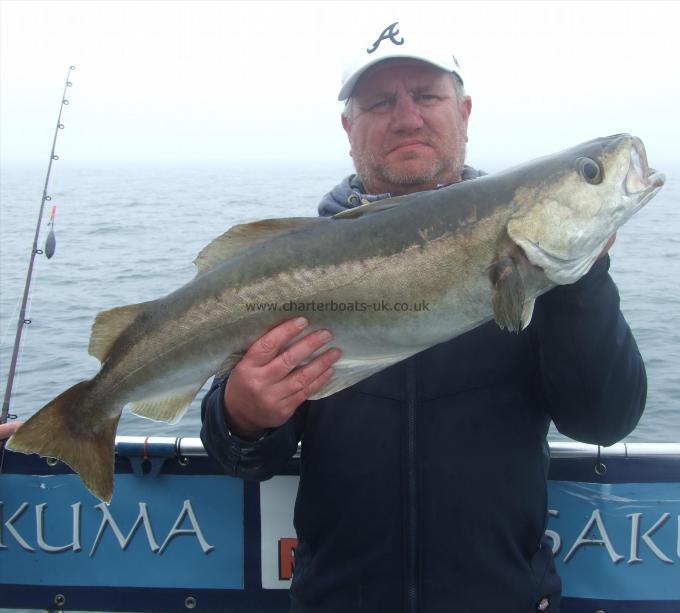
(381, 104)
(426, 98)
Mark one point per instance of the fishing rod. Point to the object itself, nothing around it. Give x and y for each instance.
(49, 251)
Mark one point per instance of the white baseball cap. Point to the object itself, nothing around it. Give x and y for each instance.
(396, 42)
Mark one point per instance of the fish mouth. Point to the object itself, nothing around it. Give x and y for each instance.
(641, 182)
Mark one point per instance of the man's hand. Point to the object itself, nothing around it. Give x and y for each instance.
(266, 386)
(9, 428)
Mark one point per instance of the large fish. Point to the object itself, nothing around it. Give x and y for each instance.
(389, 278)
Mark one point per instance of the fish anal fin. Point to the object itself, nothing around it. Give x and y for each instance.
(242, 237)
(229, 363)
(109, 325)
(56, 432)
(170, 407)
(349, 372)
(508, 295)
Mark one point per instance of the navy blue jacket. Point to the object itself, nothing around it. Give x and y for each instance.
(423, 487)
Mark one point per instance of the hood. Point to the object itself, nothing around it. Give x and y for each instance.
(350, 193)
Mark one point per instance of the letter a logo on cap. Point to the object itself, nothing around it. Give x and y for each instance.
(389, 33)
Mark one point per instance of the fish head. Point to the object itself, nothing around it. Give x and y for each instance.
(571, 203)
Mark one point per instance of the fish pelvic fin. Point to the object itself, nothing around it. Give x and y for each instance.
(510, 309)
(109, 325)
(170, 407)
(88, 449)
(242, 237)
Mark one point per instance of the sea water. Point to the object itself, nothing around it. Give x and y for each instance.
(129, 233)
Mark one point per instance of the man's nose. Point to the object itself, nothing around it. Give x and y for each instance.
(406, 115)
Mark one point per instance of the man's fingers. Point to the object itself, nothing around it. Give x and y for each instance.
(268, 346)
(295, 400)
(9, 428)
(304, 379)
(294, 355)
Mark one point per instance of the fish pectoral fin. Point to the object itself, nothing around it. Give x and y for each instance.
(349, 372)
(527, 312)
(508, 295)
(169, 408)
(242, 237)
(109, 325)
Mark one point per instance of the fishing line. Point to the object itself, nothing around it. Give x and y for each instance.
(18, 375)
(48, 251)
(4, 339)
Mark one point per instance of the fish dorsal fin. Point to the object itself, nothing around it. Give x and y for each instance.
(109, 325)
(239, 238)
(366, 209)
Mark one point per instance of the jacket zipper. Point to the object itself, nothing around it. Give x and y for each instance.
(412, 497)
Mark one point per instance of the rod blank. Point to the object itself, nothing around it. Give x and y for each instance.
(34, 251)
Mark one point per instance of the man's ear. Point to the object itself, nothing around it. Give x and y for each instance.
(466, 108)
(346, 124)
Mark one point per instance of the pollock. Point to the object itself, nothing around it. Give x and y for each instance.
(480, 249)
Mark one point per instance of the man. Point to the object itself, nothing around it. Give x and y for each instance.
(423, 487)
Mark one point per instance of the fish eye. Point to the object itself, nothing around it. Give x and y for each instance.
(590, 170)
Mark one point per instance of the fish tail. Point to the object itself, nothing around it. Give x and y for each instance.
(87, 446)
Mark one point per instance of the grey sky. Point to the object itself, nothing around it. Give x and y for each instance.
(227, 81)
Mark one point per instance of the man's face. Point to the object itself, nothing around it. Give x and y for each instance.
(407, 128)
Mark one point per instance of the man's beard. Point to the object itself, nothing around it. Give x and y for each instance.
(414, 179)
(374, 173)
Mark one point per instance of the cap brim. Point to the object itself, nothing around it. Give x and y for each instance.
(348, 85)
